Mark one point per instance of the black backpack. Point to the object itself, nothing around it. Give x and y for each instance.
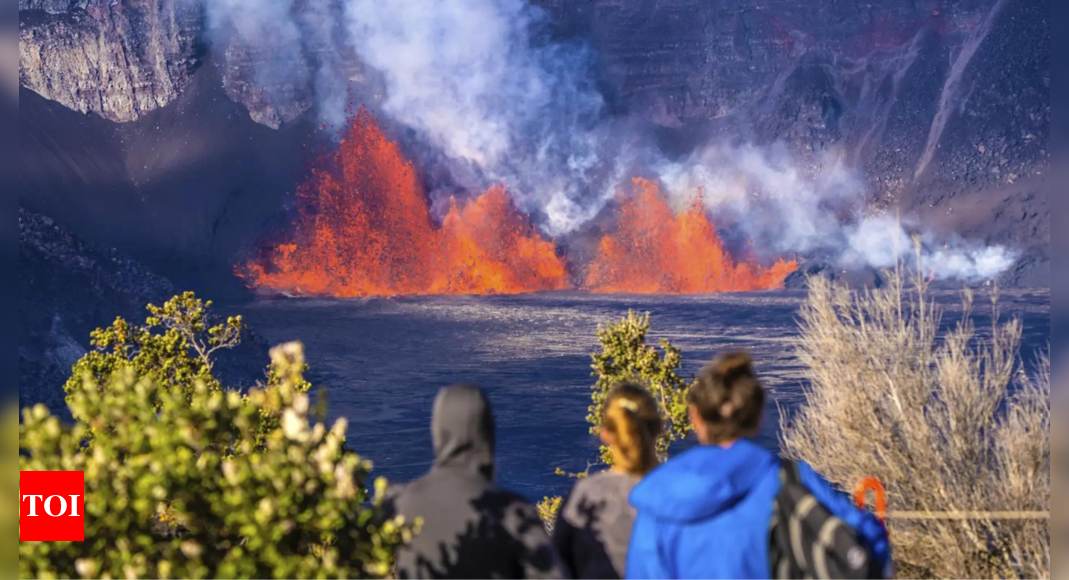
(807, 541)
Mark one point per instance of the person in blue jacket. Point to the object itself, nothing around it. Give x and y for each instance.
(707, 513)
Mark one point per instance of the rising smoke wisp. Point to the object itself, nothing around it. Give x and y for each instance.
(764, 193)
(473, 81)
(467, 76)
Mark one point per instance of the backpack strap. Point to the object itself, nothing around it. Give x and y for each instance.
(784, 563)
(789, 471)
(808, 540)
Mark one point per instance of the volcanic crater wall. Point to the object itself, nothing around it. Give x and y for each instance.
(943, 106)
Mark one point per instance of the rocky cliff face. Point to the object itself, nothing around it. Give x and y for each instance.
(943, 107)
(122, 59)
(117, 59)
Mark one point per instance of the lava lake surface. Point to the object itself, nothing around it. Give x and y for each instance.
(382, 360)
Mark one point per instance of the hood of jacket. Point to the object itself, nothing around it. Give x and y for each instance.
(462, 428)
(704, 482)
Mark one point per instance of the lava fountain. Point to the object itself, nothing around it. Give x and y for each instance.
(364, 229)
(656, 251)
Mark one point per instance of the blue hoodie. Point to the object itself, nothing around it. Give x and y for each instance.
(707, 514)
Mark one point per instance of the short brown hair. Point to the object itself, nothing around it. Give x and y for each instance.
(728, 397)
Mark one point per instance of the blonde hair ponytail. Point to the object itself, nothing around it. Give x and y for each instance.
(634, 422)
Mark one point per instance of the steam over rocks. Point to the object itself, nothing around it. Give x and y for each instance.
(281, 58)
(940, 109)
(270, 104)
(123, 59)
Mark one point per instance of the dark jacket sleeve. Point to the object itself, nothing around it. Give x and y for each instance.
(538, 558)
(564, 538)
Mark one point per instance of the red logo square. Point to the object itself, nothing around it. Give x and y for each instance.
(51, 506)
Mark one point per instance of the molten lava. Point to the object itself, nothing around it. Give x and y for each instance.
(655, 251)
(364, 229)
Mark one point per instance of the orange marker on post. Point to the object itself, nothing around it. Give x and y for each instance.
(872, 484)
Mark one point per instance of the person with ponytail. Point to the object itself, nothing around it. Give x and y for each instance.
(711, 512)
(593, 528)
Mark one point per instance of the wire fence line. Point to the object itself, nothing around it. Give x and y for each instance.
(966, 515)
(874, 486)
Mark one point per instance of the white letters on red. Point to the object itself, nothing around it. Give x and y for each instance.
(48, 505)
(62, 502)
(33, 503)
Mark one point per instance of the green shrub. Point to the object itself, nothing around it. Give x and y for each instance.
(626, 356)
(174, 348)
(186, 480)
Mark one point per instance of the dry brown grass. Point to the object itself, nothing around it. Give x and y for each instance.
(1061, 470)
(946, 423)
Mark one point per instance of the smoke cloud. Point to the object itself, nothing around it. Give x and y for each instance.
(469, 78)
(764, 193)
(292, 50)
(475, 82)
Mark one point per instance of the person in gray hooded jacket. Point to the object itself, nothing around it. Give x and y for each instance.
(471, 527)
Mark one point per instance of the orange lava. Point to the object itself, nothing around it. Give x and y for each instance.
(655, 251)
(364, 229)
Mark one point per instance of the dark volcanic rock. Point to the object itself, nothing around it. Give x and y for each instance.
(798, 280)
(69, 287)
(1030, 271)
(185, 190)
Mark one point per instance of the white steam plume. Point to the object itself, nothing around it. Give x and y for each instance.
(764, 193)
(466, 75)
(293, 52)
(471, 79)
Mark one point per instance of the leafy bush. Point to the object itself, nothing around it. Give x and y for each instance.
(184, 479)
(626, 356)
(946, 423)
(174, 348)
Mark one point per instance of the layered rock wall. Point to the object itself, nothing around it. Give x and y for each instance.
(116, 59)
